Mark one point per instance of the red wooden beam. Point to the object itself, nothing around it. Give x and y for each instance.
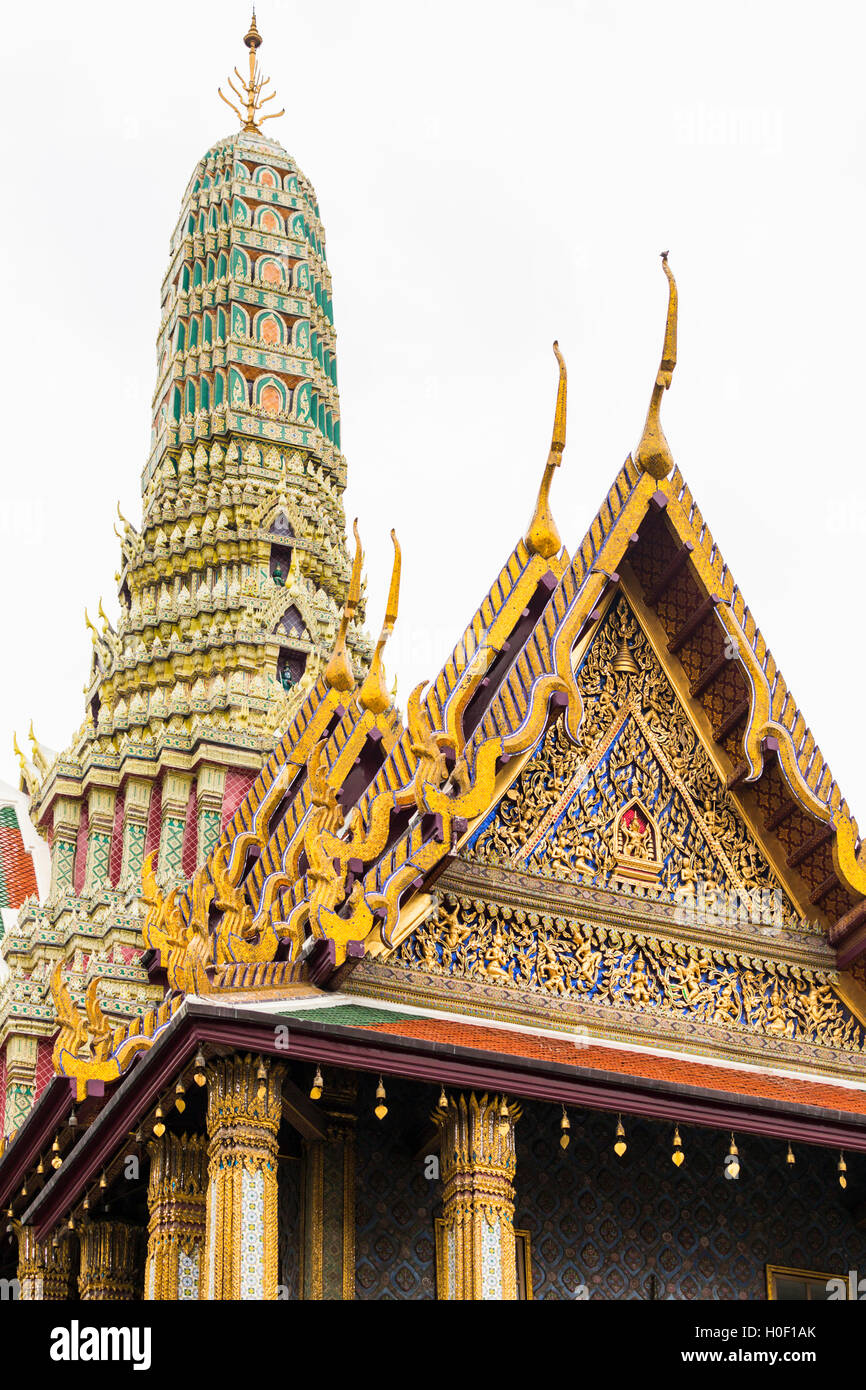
(668, 575)
(730, 722)
(814, 843)
(692, 623)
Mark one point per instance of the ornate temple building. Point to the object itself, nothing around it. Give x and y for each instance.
(552, 988)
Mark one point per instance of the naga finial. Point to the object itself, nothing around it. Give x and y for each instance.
(26, 776)
(250, 94)
(338, 673)
(653, 454)
(373, 694)
(543, 538)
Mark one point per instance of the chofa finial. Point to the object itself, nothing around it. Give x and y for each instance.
(338, 673)
(653, 454)
(543, 538)
(250, 94)
(373, 694)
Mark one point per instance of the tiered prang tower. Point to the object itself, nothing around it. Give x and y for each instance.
(229, 594)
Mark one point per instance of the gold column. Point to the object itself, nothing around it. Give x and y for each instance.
(43, 1269)
(476, 1256)
(328, 1206)
(110, 1254)
(176, 1202)
(243, 1119)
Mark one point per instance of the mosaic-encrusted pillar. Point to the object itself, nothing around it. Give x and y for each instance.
(175, 800)
(21, 1053)
(242, 1218)
(477, 1256)
(328, 1201)
(43, 1269)
(176, 1203)
(100, 824)
(110, 1253)
(136, 804)
(64, 839)
(210, 789)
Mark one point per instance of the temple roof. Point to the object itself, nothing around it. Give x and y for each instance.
(334, 853)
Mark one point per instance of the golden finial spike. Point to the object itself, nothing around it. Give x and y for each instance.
(338, 673)
(373, 694)
(251, 91)
(653, 454)
(543, 538)
(253, 38)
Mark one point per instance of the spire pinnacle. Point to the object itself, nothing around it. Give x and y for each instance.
(543, 538)
(250, 94)
(373, 694)
(338, 672)
(653, 454)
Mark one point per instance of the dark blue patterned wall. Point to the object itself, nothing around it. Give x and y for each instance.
(394, 1205)
(289, 1209)
(612, 1224)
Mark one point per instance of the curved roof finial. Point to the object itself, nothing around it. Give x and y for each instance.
(250, 94)
(373, 694)
(543, 538)
(338, 673)
(653, 454)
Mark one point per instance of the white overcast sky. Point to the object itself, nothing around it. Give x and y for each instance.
(491, 176)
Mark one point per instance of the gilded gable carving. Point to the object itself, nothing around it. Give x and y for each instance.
(488, 943)
(637, 805)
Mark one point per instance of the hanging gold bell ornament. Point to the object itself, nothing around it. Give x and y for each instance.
(842, 1169)
(318, 1085)
(790, 1157)
(678, 1157)
(179, 1102)
(732, 1162)
(198, 1075)
(503, 1117)
(56, 1159)
(380, 1109)
(619, 1143)
(159, 1127)
(565, 1126)
(443, 1100)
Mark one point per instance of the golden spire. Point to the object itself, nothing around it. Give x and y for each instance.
(543, 538)
(653, 455)
(338, 673)
(250, 94)
(373, 694)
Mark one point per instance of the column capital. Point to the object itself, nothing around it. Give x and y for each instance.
(109, 1258)
(43, 1268)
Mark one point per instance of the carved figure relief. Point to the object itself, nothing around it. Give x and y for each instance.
(637, 806)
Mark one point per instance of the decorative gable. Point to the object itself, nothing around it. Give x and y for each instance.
(637, 806)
